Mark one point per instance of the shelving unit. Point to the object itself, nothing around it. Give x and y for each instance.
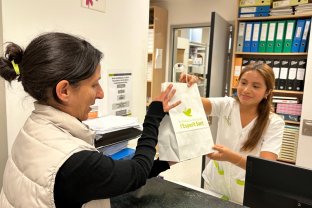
(156, 51)
(289, 148)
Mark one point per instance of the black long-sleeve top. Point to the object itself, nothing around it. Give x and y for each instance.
(90, 175)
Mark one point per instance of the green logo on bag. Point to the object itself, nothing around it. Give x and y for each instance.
(188, 112)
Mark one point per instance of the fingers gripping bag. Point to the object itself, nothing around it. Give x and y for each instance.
(184, 133)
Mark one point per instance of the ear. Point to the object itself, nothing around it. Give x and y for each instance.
(62, 90)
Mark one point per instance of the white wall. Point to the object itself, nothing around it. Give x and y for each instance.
(194, 11)
(3, 130)
(304, 153)
(120, 33)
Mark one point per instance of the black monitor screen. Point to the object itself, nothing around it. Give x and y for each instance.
(275, 184)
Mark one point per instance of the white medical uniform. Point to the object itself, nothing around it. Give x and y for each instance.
(226, 178)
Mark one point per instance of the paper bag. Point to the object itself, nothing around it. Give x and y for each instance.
(185, 133)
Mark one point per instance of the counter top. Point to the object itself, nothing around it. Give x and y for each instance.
(158, 192)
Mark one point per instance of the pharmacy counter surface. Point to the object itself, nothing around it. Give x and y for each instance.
(159, 193)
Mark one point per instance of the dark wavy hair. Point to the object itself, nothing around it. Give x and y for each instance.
(47, 60)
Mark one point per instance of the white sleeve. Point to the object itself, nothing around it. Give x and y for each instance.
(219, 104)
(273, 136)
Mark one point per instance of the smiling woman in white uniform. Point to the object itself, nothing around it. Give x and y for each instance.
(246, 126)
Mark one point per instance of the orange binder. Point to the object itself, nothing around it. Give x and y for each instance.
(237, 70)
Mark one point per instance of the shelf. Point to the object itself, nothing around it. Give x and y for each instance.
(275, 17)
(198, 44)
(292, 122)
(288, 92)
(196, 65)
(271, 54)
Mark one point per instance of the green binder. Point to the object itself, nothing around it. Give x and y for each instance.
(263, 36)
(290, 28)
(271, 37)
(279, 37)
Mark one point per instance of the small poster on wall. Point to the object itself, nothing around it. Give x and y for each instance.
(98, 5)
(120, 94)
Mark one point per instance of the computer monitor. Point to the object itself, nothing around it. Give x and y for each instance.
(271, 184)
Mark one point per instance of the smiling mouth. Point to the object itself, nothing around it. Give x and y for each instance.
(245, 97)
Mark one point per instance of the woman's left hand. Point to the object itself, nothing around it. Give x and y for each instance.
(166, 96)
(222, 153)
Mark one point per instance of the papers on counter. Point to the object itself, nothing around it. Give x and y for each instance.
(112, 123)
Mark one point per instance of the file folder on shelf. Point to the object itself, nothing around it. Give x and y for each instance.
(247, 3)
(288, 3)
(299, 82)
(263, 36)
(305, 35)
(248, 36)
(255, 14)
(276, 69)
(245, 62)
(261, 61)
(298, 35)
(290, 28)
(293, 66)
(271, 37)
(283, 74)
(255, 37)
(269, 62)
(254, 9)
(240, 37)
(279, 38)
(237, 70)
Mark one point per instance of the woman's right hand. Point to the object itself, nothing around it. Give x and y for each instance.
(166, 96)
(188, 78)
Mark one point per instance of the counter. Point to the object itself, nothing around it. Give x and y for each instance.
(159, 193)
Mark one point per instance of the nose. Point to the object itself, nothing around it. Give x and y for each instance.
(100, 93)
(247, 88)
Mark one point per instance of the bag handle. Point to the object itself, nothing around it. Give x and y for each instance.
(179, 68)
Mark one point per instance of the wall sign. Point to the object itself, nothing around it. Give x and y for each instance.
(120, 94)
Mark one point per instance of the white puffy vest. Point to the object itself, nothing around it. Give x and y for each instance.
(48, 138)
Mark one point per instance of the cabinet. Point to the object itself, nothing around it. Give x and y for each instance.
(157, 38)
(239, 59)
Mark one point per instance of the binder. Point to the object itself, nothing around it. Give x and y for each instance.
(288, 3)
(283, 74)
(269, 62)
(290, 28)
(299, 81)
(306, 30)
(271, 37)
(237, 70)
(252, 60)
(245, 63)
(247, 38)
(247, 3)
(276, 67)
(240, 36)
(280, 35)
(263, 36)
(261, 61)
(254, 9)
(292, 73)
(298, 36)
(254, 14)
(255, 37)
